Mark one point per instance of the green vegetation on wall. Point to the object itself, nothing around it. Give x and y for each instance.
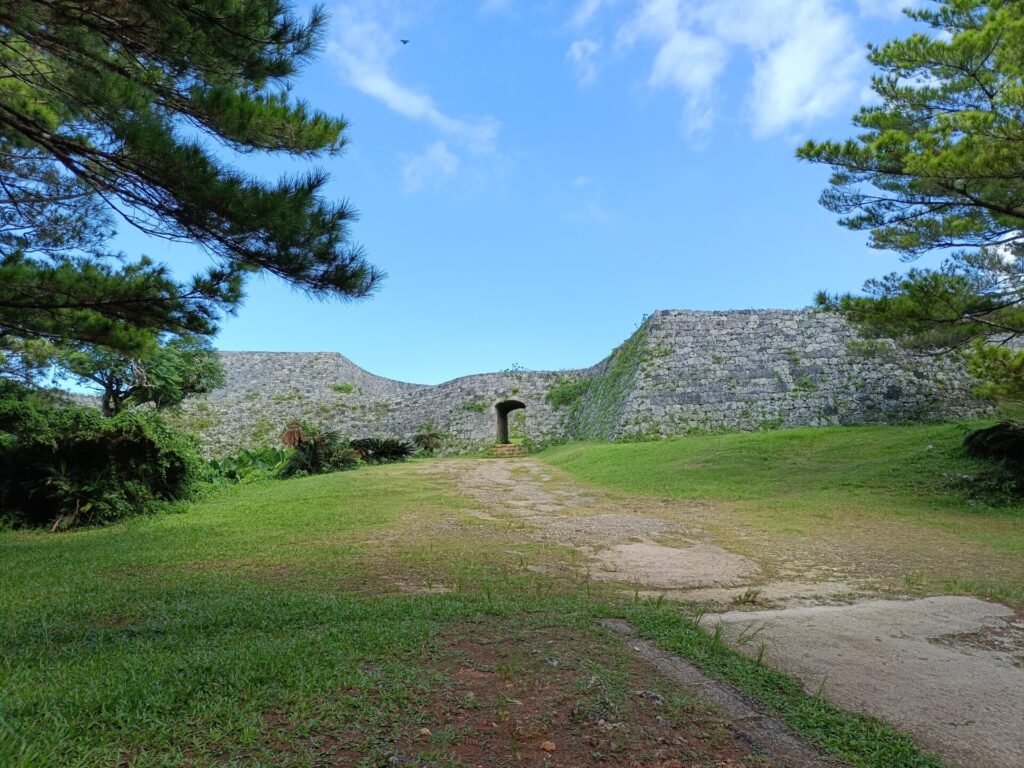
(291, 396)
(567, 392)
(595, 414)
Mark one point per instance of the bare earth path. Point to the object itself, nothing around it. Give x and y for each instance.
(949, 670)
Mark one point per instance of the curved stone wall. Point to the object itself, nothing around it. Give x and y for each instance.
(680, 372)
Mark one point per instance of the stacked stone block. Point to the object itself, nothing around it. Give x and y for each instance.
(681, 372)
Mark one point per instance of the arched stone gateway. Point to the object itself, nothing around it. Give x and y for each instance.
(680, 371)
(504, 408)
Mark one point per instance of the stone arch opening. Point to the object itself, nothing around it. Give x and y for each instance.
(503, 409)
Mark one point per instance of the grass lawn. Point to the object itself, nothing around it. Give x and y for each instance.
(302, 623)
(887, 493)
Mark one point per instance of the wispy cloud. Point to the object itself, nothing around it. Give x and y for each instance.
(890, 8)
(497, 6)
(808, 62)
(429, 168)
(584, 11)
(581, 53)
(806, 59)
(363, 48)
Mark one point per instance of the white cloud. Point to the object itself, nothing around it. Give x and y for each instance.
(363, 47)
(581, 53)
(585, 10)
(807, 60)
(496, 6)
(805, 73)
(430, 167)
(886, 8)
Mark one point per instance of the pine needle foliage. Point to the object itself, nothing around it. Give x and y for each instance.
(937, 167)
(136, 107)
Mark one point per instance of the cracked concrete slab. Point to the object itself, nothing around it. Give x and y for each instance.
(948, 670)
(656, 565)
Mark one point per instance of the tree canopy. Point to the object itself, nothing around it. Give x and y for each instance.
(939, 167)
(129, 107)
(179, 367)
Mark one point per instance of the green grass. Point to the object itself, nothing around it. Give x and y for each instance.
(885, 503)
(170, 640)
(894, 472)
(567, 392)
(793, 468)
(262, 627)
(857, 739)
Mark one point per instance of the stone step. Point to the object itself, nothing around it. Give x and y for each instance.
(510, 449)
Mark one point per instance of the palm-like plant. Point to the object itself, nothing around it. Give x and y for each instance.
(317, 451)
(428, 440)
(381, 450)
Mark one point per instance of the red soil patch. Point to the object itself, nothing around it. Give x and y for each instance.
(546, 697)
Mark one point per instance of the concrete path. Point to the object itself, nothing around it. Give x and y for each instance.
(948, 670)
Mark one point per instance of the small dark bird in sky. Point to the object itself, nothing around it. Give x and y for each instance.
(405, 42)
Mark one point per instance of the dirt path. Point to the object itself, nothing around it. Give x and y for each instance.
(619, 537)
(949, 670)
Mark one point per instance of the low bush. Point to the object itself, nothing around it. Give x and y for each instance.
(251, 463)
(64, 465)
(429, 438)
(1001, 442)
(316, 451)
(1000, 481)
(382, 450)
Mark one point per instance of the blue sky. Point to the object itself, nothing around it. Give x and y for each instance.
(535, 177)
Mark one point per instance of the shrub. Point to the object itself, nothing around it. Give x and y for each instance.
(316, 451)
(381, 450)
(251, 463)
(1001, 481)
(64, 465)
(1002, 442)
(428, 439)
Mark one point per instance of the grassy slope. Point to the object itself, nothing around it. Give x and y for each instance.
(171, 640)
(254, 629)
(800, 481)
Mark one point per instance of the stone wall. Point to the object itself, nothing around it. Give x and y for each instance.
(264, 391)
(679, 372)
(748, 370)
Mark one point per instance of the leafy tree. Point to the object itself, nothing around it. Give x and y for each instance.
(128, 106)
(938, 167)
(57, 280)
(178, 368)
